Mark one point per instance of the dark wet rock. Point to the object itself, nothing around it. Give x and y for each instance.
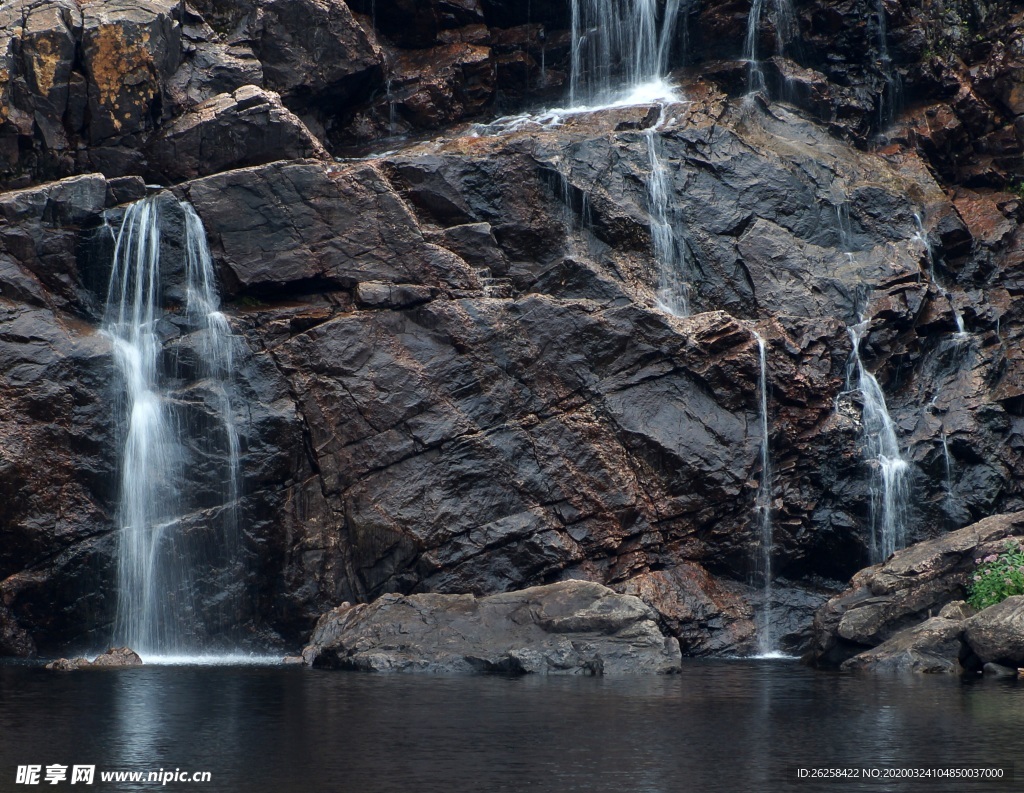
(114, 658)
(573, 627)
(248, 127)
(996, 670)
(996, 634)
(912, 585)
(313, 52)
(933, 647)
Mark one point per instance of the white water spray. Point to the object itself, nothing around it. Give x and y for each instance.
(890, 485)
(620, 49)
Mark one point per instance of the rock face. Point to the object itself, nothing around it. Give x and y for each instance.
(455, 373)
(574, 627)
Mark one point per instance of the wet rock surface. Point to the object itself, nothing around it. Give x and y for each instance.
(573, 627)
(455, 373)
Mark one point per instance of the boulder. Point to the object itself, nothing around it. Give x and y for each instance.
(572, 627)
(996, 634)
(912, 585)
(935, 646)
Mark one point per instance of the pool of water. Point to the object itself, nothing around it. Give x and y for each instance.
(719, 726)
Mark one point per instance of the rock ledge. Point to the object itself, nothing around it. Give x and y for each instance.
(572, 627)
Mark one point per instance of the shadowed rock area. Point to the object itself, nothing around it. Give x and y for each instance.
(574, 627)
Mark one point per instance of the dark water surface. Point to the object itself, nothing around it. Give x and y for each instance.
(721, 726)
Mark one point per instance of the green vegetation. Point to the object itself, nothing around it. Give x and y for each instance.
(998, 577)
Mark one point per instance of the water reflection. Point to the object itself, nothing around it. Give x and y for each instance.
(736, 725)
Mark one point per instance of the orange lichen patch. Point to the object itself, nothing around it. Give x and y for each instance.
(45, 60)
(118, 65)
(5, 77)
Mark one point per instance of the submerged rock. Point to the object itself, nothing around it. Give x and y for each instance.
(112, 658)
(572, 627)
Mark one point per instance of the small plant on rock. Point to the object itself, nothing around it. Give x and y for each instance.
(997, 577)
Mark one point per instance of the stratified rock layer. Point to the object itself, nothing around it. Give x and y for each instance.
(574, 627)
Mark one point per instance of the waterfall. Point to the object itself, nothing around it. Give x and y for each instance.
(766, 638)
(620, 45)
(890, 486)
(922, 237)
(157, 607)
(892, 92)
(669, 256)
(784, 22)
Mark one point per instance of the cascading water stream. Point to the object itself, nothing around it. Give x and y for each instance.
(922, 237)
(892, 92)
(620, 51)
(784, 22)
(766, 636)
(890, 485)
(673, 290)
(157, 608)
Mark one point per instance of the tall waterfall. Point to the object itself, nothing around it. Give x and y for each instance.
(766, 638)
(157, 608)
(670, 257)
(784, 22)
(620, 48)
(890, 486)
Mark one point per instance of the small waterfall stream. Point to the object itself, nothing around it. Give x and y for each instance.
(890, 485)
(892, 92)
(157, 609)
(767, 641)
(784, 22)
(620, 48)
(670, 258)
(922, 237)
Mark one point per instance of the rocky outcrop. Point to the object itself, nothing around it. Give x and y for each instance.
(996, 634)
(247, 127)
(884, 601)
(933, 647)
(114, 658)
(574, 627)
